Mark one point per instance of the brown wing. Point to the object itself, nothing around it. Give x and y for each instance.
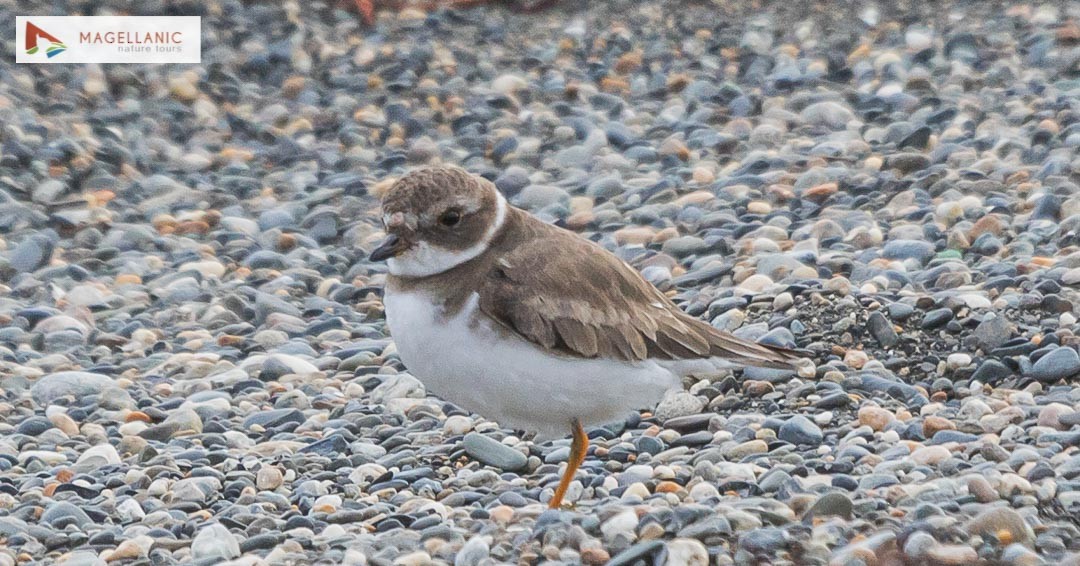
(568, 294)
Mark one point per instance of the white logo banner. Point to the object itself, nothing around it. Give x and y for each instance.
(108, 39)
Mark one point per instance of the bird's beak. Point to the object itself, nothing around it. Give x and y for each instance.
(390, 247)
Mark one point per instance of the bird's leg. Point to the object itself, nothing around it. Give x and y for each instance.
(578, 448)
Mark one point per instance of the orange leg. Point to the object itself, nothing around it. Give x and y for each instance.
(579, 446)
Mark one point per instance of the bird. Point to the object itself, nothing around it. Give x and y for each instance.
(529, 324)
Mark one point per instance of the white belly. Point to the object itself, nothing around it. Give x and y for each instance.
(466, 361)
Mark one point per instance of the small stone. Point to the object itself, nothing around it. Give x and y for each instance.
(131, 549)
(957, 361)
(982, 490)
(688, 552)
(991, 372)
(930, 455)
(474, 552)
(742, 450)
(1059, 364)
(1050, 416)
(97, 457)
(268, 478)
(882, 330)
(933, 424)
(594, 556)
(992, 332)
(214, 541)
(494, 453)
(936, 318)
(703, 176)
(1001, 520)
(31, 254)
(34, 426)
(952, 555)
(679, 404)
(833, 504)
(77, 384)
(61, 513)
(64, 423)
(832, 115)
(856, 359)
(908, 249)
(875, 417)
(800, 430)
(918, 545)
(456, 425)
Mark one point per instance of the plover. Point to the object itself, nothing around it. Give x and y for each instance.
(529, 324)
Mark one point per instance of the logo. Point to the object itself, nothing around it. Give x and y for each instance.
(107, 39)
(34, 35)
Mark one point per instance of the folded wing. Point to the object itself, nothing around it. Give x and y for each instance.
(571, 296)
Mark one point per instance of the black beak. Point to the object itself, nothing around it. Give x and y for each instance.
(390, 247)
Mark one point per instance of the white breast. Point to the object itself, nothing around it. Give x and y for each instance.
(466, 361)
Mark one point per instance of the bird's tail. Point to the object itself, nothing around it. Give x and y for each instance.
(747, 353)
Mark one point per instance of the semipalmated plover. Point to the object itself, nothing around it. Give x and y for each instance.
(528, 324)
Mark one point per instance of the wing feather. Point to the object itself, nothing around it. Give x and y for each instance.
(567, 294)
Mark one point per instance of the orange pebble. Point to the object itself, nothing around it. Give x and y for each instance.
(192, 227)
(229, 340)
(668, 487)
(137, 416)
(128, 279)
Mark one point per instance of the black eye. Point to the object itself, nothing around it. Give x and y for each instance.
(450, 218)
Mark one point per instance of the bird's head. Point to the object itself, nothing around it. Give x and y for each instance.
(438, 218)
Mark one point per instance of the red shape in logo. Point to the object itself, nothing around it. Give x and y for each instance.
(34, 33)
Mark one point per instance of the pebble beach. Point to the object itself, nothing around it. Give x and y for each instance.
(195, 366)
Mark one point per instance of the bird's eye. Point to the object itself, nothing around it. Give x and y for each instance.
(450, 218)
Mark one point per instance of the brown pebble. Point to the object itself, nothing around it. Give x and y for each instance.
(755, 388)
(987, 224)
(1050, 415)
(875, 417)
(820, 192)
(628, 62)
(580, 220)
(292, 86)
(192, 227)
(932, 425)
(595, 556)
(614, 85)
(981, 490)
(502, 514)
(229, 340)
(128, 279)
(677, 81)
(286, 242)
(137, 416)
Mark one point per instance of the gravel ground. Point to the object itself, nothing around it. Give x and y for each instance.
(193, 361)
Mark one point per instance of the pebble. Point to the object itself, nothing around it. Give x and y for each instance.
(1059, 364)
(875, 417)
(214, 542)
(687, 552)
(679, 404)
(1003, 523)
(494, 453)
(882, 330)
(800, 430)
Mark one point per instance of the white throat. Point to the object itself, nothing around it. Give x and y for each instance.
(425, 259)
